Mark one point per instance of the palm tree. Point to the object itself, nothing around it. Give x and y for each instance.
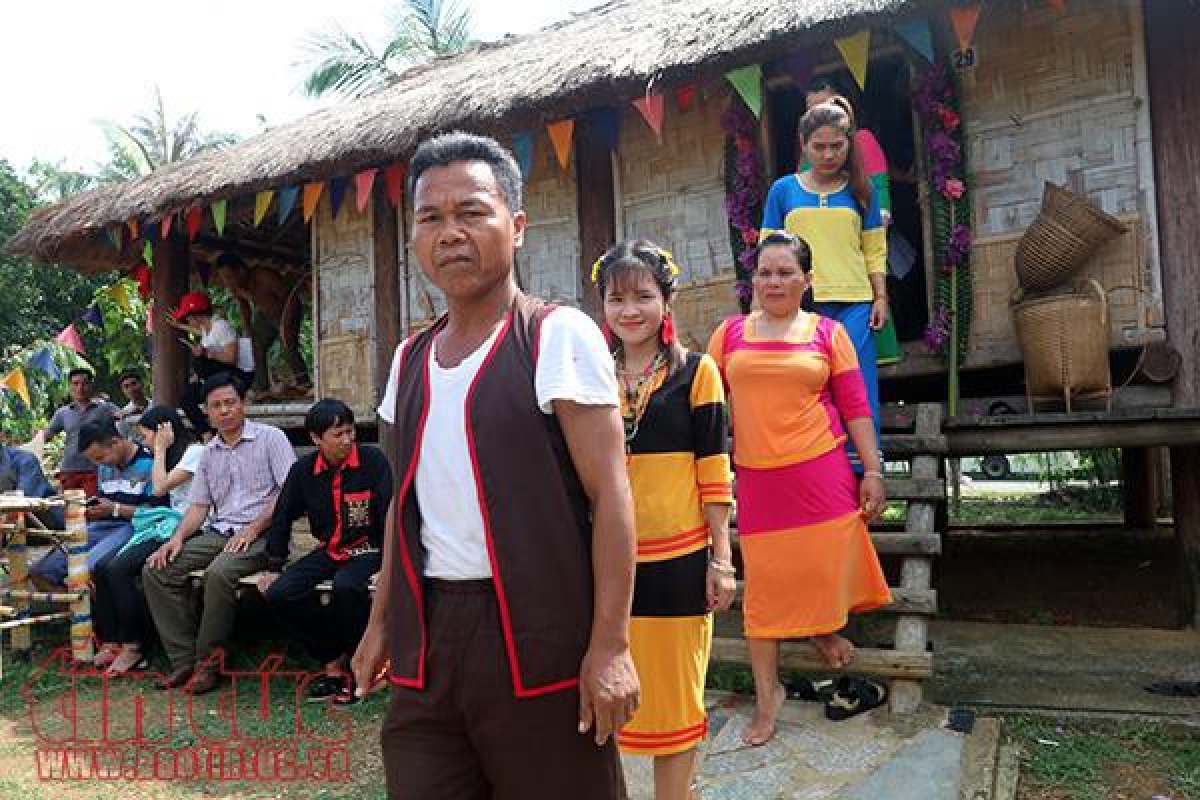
(342, 63)
(154, 140)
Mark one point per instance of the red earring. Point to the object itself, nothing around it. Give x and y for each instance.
(607, 331)
(668, 330)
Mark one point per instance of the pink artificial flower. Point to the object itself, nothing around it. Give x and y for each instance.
(953, 189)
(750, 237)
(950, 119)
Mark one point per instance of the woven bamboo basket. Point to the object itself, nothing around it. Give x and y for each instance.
(1064, 340)
(1066, 232)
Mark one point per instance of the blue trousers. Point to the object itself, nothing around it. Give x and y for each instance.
(856, 319)
(105, 537)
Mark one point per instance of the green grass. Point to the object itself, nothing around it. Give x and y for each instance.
(1079, 759)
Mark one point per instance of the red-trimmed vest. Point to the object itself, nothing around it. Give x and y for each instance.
(536, 515)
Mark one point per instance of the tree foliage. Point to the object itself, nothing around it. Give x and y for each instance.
(343, 63)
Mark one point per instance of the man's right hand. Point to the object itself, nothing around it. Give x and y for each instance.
(265, 580)
(370, 662)
(165, 554)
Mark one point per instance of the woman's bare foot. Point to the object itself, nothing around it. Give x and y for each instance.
(837, 650)
(106, 655)
(762, 726)
(130, 658)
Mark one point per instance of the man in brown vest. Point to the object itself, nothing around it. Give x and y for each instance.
(502, 610)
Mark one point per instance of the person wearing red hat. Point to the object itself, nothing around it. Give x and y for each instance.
(215, 348)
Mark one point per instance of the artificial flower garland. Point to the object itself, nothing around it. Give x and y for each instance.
(937, 105)
(744, 193)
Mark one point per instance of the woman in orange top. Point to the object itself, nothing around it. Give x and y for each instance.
(795, 390)
(676, 438)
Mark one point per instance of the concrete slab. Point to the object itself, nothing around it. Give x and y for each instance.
(1062, 668)
(927, 768)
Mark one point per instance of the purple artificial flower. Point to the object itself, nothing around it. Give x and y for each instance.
(958, 245)
(937, 332)
(744, 291)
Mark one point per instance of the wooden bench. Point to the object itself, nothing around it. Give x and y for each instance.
(912, 435)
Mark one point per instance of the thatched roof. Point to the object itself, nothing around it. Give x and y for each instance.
(608, 53)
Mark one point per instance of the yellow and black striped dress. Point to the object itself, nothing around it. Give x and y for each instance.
(678, 462)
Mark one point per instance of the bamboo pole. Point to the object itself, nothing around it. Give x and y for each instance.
(18, 568)
(40, 597)
(78, 578)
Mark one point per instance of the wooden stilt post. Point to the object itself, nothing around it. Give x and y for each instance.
(78, 579)
(1139, 486)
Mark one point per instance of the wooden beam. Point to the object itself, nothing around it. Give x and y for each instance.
(932, 489)
(1025, 434)
(894, 544)
(169, 361)
(596, 206)
(804, 657)
(387, 233)
(904, 601)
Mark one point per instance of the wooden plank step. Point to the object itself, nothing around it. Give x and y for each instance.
(913, 444)
(916, 489)
(904, 601)
(804, 657)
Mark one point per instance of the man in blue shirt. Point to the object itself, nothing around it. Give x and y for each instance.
(21, 471)
(124, 484)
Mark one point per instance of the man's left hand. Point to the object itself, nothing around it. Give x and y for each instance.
(609, 693)
(240, 542)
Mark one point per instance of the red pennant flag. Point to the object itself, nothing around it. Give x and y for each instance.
(964, 19)
(685, 97)
(71, 338)
(651, 107)
(1058, 5)
(363, 183)
(393, 178)
(141, 274)
(193, 220)
(165, 225)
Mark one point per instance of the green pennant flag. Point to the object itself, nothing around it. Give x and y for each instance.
(748, 82)
(148, 253)
(218, 212)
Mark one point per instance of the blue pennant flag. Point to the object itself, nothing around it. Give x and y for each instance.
(93, 316)
(608, 122)
(523, 149)
(337, 193)
(43, 362)
(287, 201)
(918, 36)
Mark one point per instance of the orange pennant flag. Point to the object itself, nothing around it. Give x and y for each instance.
(262, 203)
(964, 19)
(393, 179)
(651, 108)
(363, 183)
(1058, 5)
(15, 382)
(165, 225)
(133, 229)
(312, 196)
(560, 136)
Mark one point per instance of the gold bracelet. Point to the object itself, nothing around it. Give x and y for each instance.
(722, 567)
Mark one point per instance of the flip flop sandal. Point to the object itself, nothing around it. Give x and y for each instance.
(1175, 688)
(854, 696)
(122, 666)
(809, 690)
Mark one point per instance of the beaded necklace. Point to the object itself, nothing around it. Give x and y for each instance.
(637, 395)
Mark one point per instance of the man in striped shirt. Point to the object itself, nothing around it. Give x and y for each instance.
(238, 481)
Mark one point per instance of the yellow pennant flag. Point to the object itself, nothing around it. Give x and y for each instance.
(262, 203)
(120, 295)
(855, 50)
(312, 196)
(560, 136)
(15, 382)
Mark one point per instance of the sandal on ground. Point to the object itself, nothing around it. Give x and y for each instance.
(129, 660)
(1175, 688)
(853, 696)
(807, 689)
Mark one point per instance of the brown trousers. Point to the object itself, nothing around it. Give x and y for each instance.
(466, 737)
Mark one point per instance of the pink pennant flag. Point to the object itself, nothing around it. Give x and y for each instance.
(393, 178)
(363, 183)
(651, 108)
(70, 337)
(167, 219)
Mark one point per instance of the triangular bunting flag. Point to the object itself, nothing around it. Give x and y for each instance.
(918, 36)
(651, 108)
(522, 145)
(70, 337)
(218, 214)
(203, 269)
(150, 318)
(855, 50)
(141, 274)
(287, 201)
(393, 179)
(150, 232)
(608, 121)
(337, 193)
(15, 382)
(133, 229)
(748, 82)
(148, 252)
(93, 316)
(262, 204)
(685, 97)
(963, 19)
(799, 65)
(43, 360)
(1058, 5)
(192, 221)
(363, 183)
(119, 295)
(165, 224)
(312, 196)
(560, 134)
(114, 237)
